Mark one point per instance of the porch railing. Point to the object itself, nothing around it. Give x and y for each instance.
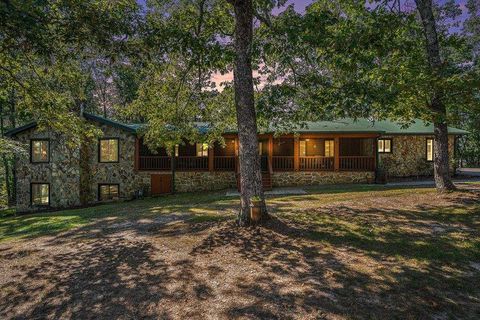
(224, 163)
(181, 163)
(357, 163)
(191, 163)
(282, 163)
(314, 163)
(155, 163)
(279, 163)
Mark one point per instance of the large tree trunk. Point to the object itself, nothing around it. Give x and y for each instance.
(250, 173)
(439, 113)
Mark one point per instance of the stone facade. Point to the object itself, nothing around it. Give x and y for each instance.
(408, 157)
(302, 178)
(121, 172)
(62, 172)
(204, 181)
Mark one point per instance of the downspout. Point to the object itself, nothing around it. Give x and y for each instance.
(377, 159)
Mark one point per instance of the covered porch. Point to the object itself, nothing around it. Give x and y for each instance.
(285, 153)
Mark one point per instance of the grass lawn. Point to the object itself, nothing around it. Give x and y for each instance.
(336, 253)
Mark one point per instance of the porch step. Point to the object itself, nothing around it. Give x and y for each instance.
(266, 181)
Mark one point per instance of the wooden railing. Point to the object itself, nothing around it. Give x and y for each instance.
(224, 163)
(357, 163)
(155, 163)
(191, 163)
(279, 163)
(282, 163)
(181, 163)
(314, 163)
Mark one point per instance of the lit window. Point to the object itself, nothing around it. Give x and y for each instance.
(40, 150)
(260, 148)
(329, 148)
(108, 192)
(202, 150)
(108, 150)
(40, 194)
(303, 148)
(384, 145)
(429, 149)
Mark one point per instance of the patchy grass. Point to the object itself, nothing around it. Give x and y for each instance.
(363, 252)
(206, 206)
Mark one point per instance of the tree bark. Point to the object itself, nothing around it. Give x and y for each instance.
(250, 172)
(443, 181)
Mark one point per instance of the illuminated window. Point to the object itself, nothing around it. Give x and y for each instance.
(40, 150)
(303, 148)
(108, 192)
(202, 150)
(429, 149)
(329, 148)
(108, 150)
(385, 145)
(40, 193)
(260, 148)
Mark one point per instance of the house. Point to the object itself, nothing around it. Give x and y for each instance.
(120, 166)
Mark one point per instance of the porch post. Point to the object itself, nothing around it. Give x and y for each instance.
(337, 154)
(270, 151)
(211, 158)
(296, 153)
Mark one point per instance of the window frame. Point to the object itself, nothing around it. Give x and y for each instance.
(108, 184)
(99, 149)
(332, 147)
(391, 145)
(31, 194)
(31, 150)
(426, 149)
(204, 149)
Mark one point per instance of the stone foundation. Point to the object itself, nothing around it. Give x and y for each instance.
(204, 181)
(303, 178)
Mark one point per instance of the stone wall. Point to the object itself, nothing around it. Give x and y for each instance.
(121, 173)
(408, 157)
(62, 172)
(301, 178)
(204, 181)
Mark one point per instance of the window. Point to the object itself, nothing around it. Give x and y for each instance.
(108, 150)
(429, 149)
(202, 150)
(303, 148)
(108, 192)
(260, 148)
(385, 145)
(39, 151)
(329, 148)
(40, 194)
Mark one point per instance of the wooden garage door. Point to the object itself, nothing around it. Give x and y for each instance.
(161, 184)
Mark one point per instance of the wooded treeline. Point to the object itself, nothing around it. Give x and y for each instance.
(155, 62)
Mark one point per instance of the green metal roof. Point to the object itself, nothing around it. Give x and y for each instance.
(346, 125)
(385, 127)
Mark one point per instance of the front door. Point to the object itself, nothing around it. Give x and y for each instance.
(161, 184)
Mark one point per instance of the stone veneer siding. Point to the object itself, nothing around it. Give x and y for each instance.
(122, 172)
(302, 178)
(204, 181)
(408, 157)
(62, 172)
